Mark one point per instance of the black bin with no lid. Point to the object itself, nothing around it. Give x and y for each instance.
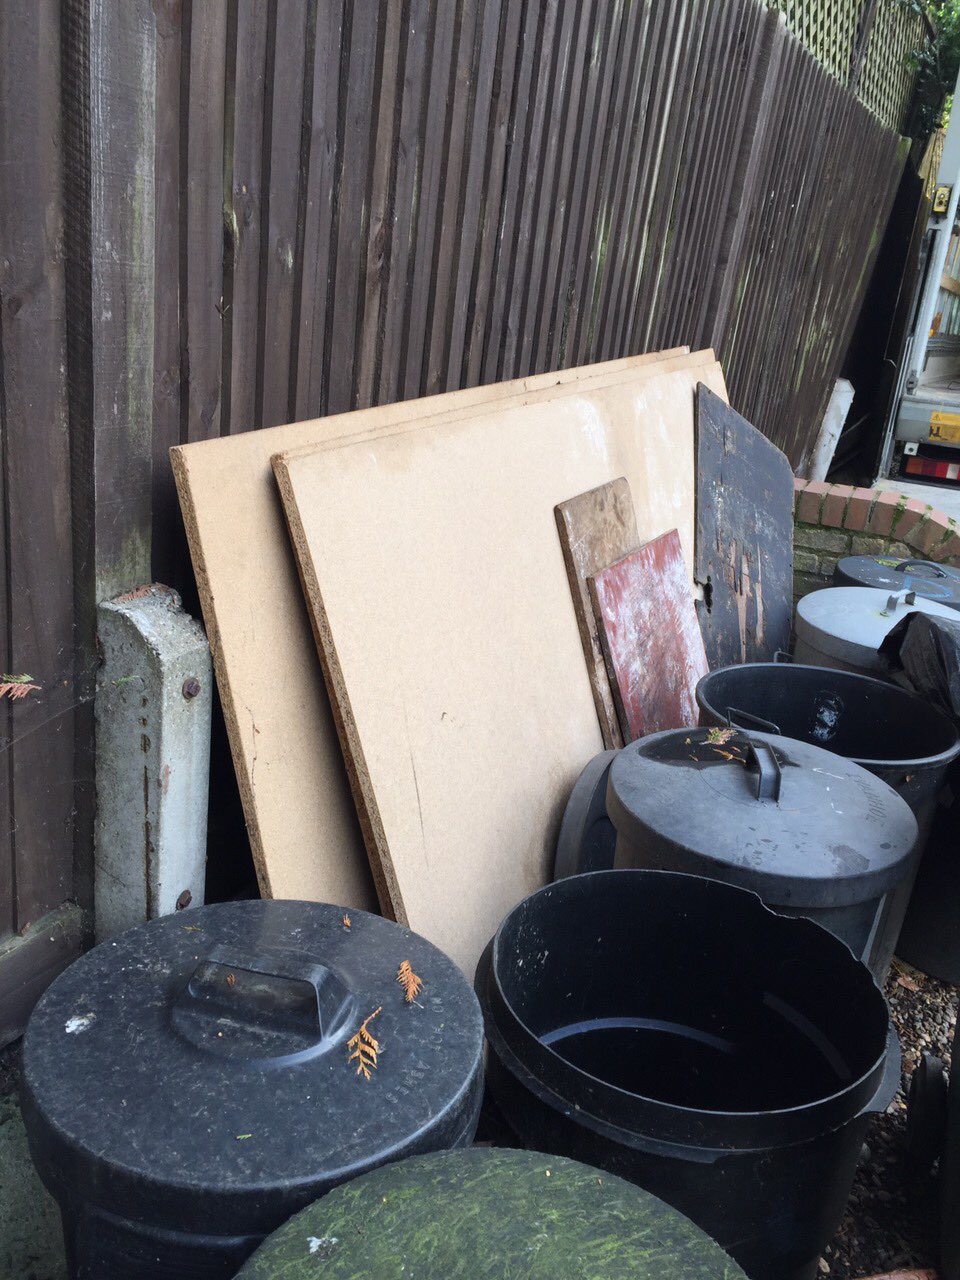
(674, 1031)
(187, 1087)
(892, 733)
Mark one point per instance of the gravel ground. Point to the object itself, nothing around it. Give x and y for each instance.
(891, 1220)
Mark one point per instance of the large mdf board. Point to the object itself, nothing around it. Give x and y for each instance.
(744, 557)
(650, 636)
(596, 529)
(442, 610)
(301, 819)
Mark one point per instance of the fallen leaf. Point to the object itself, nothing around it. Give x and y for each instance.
(364, 1048)
(905, 981)
(15, 687)
(412, 985)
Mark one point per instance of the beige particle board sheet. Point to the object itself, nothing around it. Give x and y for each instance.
(439, 597)
(301, 820)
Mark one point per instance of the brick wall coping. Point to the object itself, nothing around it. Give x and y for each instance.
(929, 533)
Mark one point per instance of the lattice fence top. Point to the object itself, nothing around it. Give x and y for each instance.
(886, 84)
(827, 28)
(830, 30)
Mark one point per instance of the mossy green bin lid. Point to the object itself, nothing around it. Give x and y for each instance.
(487, 1214)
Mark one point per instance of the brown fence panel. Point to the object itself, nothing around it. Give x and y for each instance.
(387, 198)
(36, 549)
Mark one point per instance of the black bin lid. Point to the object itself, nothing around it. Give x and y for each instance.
(459, 1215)
(194, 1071)
(798, 825)
(932, 581)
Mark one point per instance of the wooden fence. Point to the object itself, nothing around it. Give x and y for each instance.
(216, 215)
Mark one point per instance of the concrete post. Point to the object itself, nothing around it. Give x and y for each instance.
(154, 696)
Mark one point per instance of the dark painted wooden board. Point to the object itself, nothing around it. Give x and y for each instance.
(487, 1214)
(29, 963)
(651, 642)
(744, 546)
(596, 529)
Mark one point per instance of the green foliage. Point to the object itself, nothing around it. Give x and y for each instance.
(937, 61)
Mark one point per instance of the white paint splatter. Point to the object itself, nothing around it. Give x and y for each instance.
(317, 1243)
(79, 1022)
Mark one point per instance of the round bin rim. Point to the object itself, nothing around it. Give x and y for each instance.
(736, 1130)
(917, 762)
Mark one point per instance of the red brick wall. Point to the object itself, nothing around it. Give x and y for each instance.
(835, 520)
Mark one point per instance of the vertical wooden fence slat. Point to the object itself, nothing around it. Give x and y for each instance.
(480, 187)
(417, 22)
(444, 26)
(569, 70)
(358, 102)
(243, 148)
(168, 542)
(328, 85)
(289, 42)
(375, 266)
(449, 228)
(201, 249)
(582, 242)
(36, 732)
(519, 128)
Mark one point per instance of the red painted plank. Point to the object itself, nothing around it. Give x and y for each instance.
(650, 637)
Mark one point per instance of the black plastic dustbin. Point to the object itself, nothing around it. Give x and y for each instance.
(892, 733)
(900, 737)
(187, 1086)
(676, 1032)
(810, 832)
(499, 1215)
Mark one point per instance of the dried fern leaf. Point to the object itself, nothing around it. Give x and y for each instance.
(14, 687)
(412, 985)
(364, 1048)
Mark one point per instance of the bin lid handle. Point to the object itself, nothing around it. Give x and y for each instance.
(762, 757)
(933, 570)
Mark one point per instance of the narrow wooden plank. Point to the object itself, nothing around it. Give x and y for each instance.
(360, 44)
(36, 749)
(480, 186)
(650, 637)
(376, 265)
(461, 101)
(539, 116)
(441, 47)
(328, 87)
(415, 35)
(289, 43)
(493, 187)
(584, 235)
(577, 328)
(201, 252)
(596, 529)
(518, 164)
(169, 558)
(243, 176)
(570, 67)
